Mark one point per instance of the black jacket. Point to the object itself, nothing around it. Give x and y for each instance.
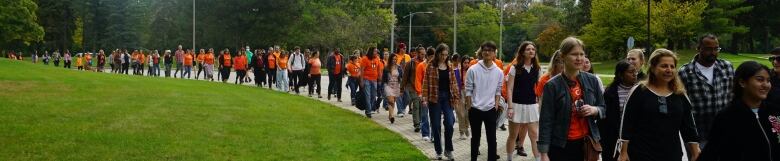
(331, 65)
(738, 134)
(609, 127)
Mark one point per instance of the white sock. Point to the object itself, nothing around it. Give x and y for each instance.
(509, 157)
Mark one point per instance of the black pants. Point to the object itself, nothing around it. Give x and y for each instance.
(67, 64)
(314, 80)
(296, 80)
(125, 68)
(572, 152)
(271, 77)
(225, 73)
(334, 85)
(56, 63)
(240, 74)
(477, 118)
(259, 77)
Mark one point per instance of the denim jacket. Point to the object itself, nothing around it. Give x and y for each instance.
(556, 109)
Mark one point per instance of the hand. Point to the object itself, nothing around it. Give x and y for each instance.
(510, 113)
(545, 157)
(623, 157)
(587, 110)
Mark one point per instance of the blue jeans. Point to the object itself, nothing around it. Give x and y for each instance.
(187, 70)
(442, 106)
(381, 100)
(370, 92)
(401, 102)
(282, 80)
(352, 84)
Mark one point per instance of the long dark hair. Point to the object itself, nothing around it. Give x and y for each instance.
(436, 58)
(390, 63)
(620, 68)
(520, 56)
(370, 53)
(743, 73)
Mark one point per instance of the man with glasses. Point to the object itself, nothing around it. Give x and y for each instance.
(708, 81)
(774, 93)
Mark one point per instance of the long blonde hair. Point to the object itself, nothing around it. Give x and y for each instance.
(676, 84)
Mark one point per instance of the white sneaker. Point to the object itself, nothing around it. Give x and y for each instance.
(425, 138)
(401, 115)
(438, 156)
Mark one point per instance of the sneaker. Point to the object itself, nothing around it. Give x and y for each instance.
(503, 127)
(521, 152)
(438, 156)
(416, 129)
(449, 156)
(425, 138)
(401, 115)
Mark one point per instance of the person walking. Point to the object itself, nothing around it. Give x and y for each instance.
(199, 60)
(188, 59)
(297, 63)
(707, 81)
(208, 62)
(239, 64)
(636, 58)
(101, 60)
(370, 67)
(353, 68)
(179, 56)
(615, 98)
(523, 110)
(774, 95)
(168, 60)
(657, 114)
(440, 93)
(282, 78)
(57, 57)
(272, 57)
(748, 129)
(225, 62)
(571, 104)
(258, 67)
(483, 89)
(336, 72)
(67, 59)
(314, 74)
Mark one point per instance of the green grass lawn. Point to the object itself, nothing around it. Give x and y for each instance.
(57, 114)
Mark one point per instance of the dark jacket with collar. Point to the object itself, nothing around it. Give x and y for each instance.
(737, 135)
(556, 109)
(331, 65)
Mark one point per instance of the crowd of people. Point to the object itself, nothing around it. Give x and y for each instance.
(648, 112)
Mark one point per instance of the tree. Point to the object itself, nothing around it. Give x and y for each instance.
(18, 23)
(676, 23)
(479, 25)
(613, 21)
(548, 40)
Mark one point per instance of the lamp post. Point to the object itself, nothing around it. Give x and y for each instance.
(392, 28)
(193, 25)
(411, 15)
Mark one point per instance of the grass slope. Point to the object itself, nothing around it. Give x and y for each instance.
(51, 113)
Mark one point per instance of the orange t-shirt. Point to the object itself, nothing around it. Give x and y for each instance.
(337, 68)
(353, 69)
(226, 60)
(371, 68)
(201, 57)
(188, 59)
(239, 63)
(578, 126)
(271, 61)
(418, 77)
(283, 62)
(316, 64)
(540, 85)
(209, 58)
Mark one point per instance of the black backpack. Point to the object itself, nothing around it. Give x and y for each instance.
(360, 100)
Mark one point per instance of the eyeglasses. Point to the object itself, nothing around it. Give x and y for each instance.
(713, 49)
(774, 58)
(662, 107)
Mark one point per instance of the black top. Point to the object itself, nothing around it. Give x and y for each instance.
(739, 134)
(610, 126)
(523, 90)
(654, 132)
(444, 80)
(774, 93)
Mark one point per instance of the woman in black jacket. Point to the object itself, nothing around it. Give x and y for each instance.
(615, 97)
(744, 131)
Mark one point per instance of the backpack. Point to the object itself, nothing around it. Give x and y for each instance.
(360, 100)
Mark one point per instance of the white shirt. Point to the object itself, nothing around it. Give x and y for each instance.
(483, 84)
(296, 61)
(706, 71)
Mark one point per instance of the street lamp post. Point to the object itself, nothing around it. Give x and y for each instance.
(392, 29)
(193, 25)
(411, 15)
